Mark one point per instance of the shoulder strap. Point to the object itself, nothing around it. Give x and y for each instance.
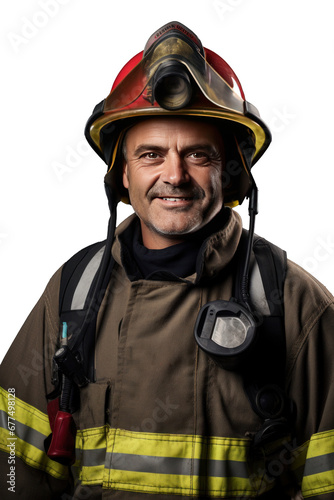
(77, 286)
(272, 263)
(72, 282)
(269, 269)
(264, 376)
(266, 285)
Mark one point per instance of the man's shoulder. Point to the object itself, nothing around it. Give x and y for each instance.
(300, 281)
(297, 279)
(308, 305)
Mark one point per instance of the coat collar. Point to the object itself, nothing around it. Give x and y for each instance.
(220, 242)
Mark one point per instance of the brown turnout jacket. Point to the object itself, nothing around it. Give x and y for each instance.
(162, 420)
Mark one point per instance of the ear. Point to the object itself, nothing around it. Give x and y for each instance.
(125, 175)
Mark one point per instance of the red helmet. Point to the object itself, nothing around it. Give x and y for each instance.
(175, 75)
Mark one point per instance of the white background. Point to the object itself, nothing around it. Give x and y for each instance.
(60, 57)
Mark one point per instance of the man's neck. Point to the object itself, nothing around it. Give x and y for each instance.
(153, 240)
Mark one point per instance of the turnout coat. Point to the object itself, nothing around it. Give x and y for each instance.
(163, 420)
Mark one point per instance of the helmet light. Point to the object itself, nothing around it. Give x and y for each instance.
(172, 87)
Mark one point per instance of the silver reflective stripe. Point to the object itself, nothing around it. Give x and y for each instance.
(82, 289)
(256, 291)
(91, 458)
(177, 465)
(24, 432)
(3, 419)
(316, 465)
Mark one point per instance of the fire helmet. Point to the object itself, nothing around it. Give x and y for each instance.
(176, 76)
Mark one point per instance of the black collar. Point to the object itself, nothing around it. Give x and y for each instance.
(175, 262)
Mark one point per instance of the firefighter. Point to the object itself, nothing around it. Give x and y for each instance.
(208, 370)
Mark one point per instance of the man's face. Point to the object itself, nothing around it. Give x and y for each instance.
(173, 172)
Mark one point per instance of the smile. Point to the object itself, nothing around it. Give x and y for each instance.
(177, 202)
(176, 199)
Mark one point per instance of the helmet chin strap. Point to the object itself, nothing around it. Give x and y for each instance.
(105, 267)
(252, 212)
(105, 262)
(107, 259)
(112, 199)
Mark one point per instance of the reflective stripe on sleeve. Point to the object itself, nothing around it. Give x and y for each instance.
(23, 431)
(318, 477)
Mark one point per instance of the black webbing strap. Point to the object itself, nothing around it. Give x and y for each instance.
(72, 272)
(264, 372)
(272, 263)
(79, 301)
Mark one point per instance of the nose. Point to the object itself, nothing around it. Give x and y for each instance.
(174, 171)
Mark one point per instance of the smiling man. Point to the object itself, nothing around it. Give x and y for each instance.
(173, 172)
(184, 357)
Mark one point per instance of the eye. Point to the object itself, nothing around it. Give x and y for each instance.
(151, 155)
(199, 154)
(199, 157)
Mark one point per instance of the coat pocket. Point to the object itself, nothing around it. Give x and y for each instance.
(95, 405)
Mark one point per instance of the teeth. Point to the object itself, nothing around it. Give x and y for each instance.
(174, 199)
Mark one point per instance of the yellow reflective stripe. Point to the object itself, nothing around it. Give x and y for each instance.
(178, 464)
(31, 428)
(164, 463)
(90, 453)
(27, 414)
(187, 484)
(318, 477)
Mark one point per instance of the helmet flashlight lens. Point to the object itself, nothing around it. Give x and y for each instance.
(173, 89)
